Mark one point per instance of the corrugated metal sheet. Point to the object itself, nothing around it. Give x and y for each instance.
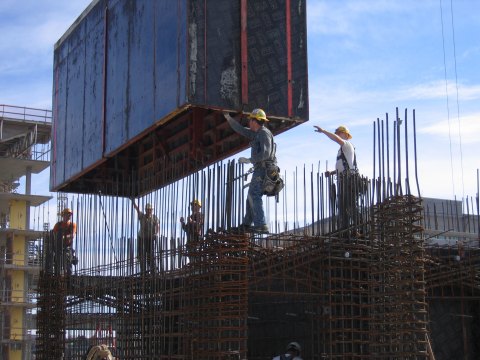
(129, 67)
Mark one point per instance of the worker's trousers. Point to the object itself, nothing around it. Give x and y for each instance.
(254, 205)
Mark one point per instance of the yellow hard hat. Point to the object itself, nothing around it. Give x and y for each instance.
(196, 202)
(344, 129)
(258, 114)
(148, 206)
(66, 211)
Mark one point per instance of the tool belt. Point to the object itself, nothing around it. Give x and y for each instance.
(272, 183)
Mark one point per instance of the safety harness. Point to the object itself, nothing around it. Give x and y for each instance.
(346, 166)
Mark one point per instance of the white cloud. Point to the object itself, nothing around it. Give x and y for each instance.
(464, 129)
(352, 17)
(30, 37)
(470, 52)
(29, 31)
(438, 90)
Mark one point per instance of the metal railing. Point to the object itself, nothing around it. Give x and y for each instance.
(32, 258)
(25, 113)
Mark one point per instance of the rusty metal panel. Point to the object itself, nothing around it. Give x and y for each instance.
(74, 110)
(170, 33)
(276, 53)
(78, 98)
(142, 67)
(92, 149)
(117, 75)
(275, 48)
(271, 26)
(117, 80)
(127, 68)
(299, 63)
(68, 116)
(214, 44)
(57, 170)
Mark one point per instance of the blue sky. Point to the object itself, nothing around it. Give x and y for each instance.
(366, 57)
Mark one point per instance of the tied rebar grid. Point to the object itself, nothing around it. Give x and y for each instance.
(198, 311)
(314, 289)
(217, 297)
(453, 292)
(398, 329)
(452, 274)
(194, 303)
(343, 293)
(51, 316)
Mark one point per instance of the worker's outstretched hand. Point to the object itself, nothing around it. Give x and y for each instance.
(244, 160)
(227, 115)
(318, 129)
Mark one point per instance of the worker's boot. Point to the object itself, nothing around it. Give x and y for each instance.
(263, 229)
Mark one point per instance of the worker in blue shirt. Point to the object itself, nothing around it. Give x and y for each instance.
(262, 156)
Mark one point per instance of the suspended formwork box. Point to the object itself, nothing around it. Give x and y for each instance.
(140, 86)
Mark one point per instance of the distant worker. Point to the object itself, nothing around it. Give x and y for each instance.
(262, 156)
(99, 352)
(193, 227)
(346, 163)
(293, 352)
(147, 238)
(63, 234)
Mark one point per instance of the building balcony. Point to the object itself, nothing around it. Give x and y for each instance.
(30, 262)
(18, 340)
(18, 298)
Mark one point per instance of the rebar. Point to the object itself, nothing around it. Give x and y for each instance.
(355, 290)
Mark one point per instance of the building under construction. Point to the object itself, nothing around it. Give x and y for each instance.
(139, 91)
(24, 152)
(401, 283)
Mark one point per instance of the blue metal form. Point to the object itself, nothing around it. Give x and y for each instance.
(143, 82)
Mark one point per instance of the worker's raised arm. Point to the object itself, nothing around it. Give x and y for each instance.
(330, 135)
(237, 127)
(136, 206)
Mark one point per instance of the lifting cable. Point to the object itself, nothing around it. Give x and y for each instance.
(458, 104)
(448, 104)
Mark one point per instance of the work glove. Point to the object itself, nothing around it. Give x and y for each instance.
(244, 160)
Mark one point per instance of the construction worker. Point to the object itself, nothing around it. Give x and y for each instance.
(293, 352)
(262, 156)
(345, 164)
(63, 234)
(99, 352)
(194, 226)
(147, 237)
